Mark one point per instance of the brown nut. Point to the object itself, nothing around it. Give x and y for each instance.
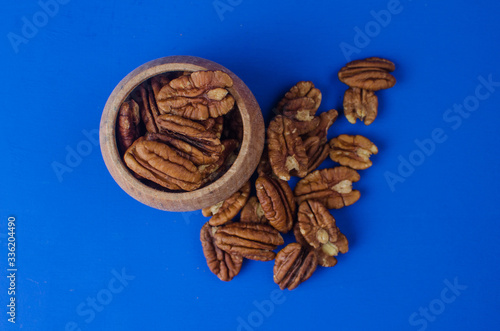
(186, 149)
(370, 74)
(197, 96)
(149, 112)
(128, 125)
(161, 164)
(221, 263)
(318, 228)
(249, 240)
(294, 264)
(252, 212)
(352, 151)
(301, 102)
(326, 119)
(277, 200)
(331, 186)
(316, 152)
(360, 104)
(304, 128)
(226, 210)
(286, 150)
(324, 260)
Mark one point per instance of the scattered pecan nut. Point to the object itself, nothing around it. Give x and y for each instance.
(128, 125)
(360, 104)
(301, 102)
(352, 151)
(294, 264)
(324, 259)
(224, 211)
(277, 200)
(330, 186)
(252, 212)
(370, 74)
(249, 240)
(221, 263)
(197, 96)
(326, 120)
(161, 164)
(286, 150)
(316, 151)
(318, 228)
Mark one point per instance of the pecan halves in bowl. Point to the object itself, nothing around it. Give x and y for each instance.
(249, 240)
(226, 210)
(287, 154)
(294, 264)
(331, 186)
(161, 164)
(277, 200)
(352, 151)
(252, 212)
(360, 104)
(301, 102)
(370, 74)
(221, 263)
(318, 228)
(197, 96)
(128, 125)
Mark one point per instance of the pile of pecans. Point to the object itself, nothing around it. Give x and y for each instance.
(180, 131)
(296, 145)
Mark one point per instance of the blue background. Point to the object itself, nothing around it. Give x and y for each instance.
(439, 223)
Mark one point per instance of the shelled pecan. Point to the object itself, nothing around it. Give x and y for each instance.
(301, 102)
(221, 263)
(294, 264)
(286, 150)
(330, 186)
(360, 104)
(277, 200)
(249, 240)
(226, 210)
(128, 124)
(352, 151)
(370, 74)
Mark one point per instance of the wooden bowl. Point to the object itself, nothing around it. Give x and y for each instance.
(243, 167)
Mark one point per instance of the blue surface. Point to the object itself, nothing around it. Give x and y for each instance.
(412, 236)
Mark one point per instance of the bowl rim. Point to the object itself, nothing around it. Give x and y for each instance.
(252, 139)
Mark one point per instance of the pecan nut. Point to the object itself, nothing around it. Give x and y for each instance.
(301, 102)
(316, 151)
(252, 212)
(287, 154)
(224, 211)
(149, 113)
(370, 74)
(318, 228)
(249, 240)
(330, 186)
(161, 164)
(186, 149)
(352, 151)
(324, 259)
(197, 96)
(277, 200)
(326, 120)
(222, 264)
(360, 104)
(128, 125)
(294, 264)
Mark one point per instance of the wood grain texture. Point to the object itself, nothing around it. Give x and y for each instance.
(244, 166)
